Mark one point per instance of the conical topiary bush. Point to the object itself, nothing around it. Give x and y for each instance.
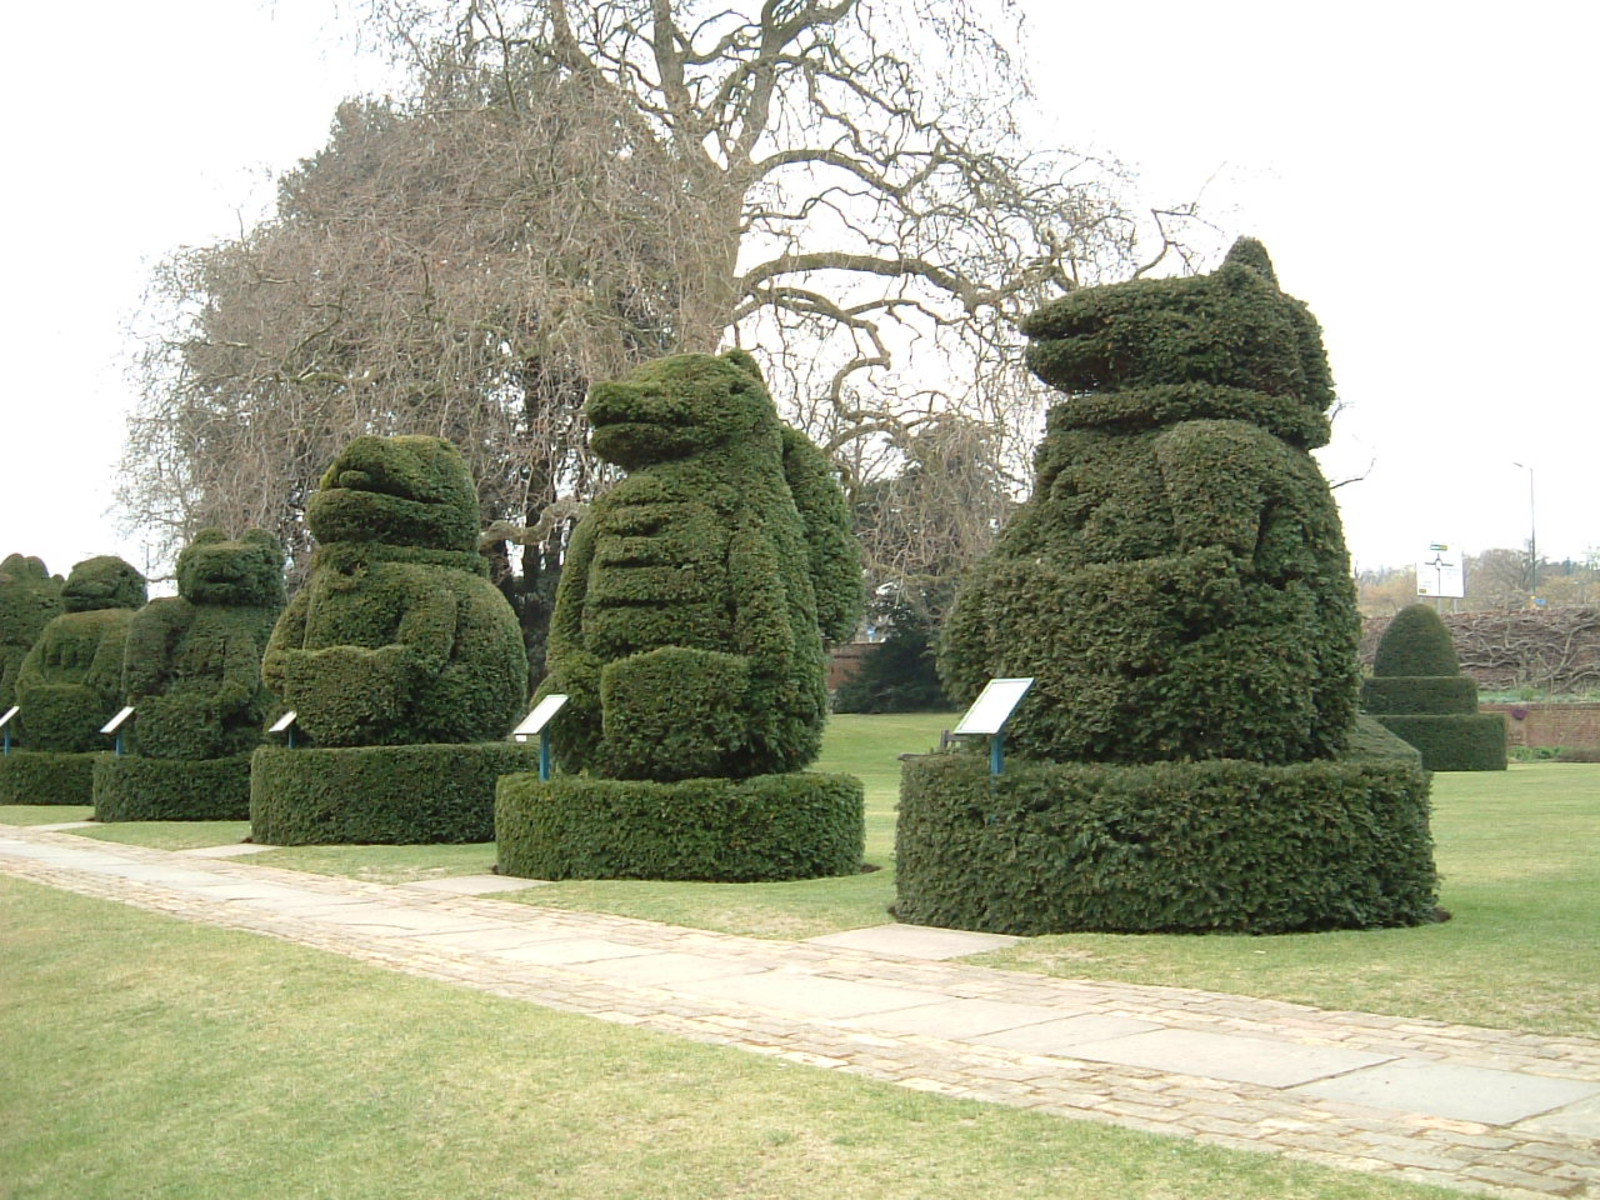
(1418, 693)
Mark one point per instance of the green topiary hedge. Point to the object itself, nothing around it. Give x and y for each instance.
(30, 597)
(1178, 583)
(398, 637)
(133, 788)
(1218, 846)
(398, 795)
(688, 624)
(1419, 694)
(47, 777)
(70, 684)
(770, 827)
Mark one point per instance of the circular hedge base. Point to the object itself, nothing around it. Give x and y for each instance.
(397, 795)
(1453, 741)
(134, 788)
(769, 827)
(47, 777)
(1224, 846)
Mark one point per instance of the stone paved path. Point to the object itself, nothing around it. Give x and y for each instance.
(1501, 1113)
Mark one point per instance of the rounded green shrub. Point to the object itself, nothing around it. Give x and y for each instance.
(70, 684)
(48, 777)
(130, 787)
(392, 795)
(397, 637)
(1178, 583)
(1171, 847)
(1419, 694)
(30, 597)
(769, 827)
(688, 626)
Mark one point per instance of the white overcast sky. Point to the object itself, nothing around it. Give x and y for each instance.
(1419, 171)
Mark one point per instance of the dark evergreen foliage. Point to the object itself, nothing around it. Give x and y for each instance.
(30, 597)
(770, 827)
(70, 684)
(398, 637)
(1178, 583)
(899, 674)
(688, 625)
(1170, 847)
(134, 788)
(1419, 694)
(393, 795)
(47, 777)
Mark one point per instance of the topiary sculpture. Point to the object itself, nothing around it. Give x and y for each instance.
(29, 598)
(688, 634)
(1418, 693)
(396, 641)
(689, 623)
(1178, 581)
(192, 671)
(1179, 589)
(70, 684)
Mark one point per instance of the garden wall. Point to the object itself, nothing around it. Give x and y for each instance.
(1567, 725)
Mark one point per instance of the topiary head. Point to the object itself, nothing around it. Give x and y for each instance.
(29, 597)
(103, 582)
(1232, 328)
(678, 407)
(1417, 643)
(406, 491)
(249, 572)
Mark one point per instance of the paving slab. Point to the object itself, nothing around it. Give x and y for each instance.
(1061, 1037)
(1228, 1056)
(1454, 1092)
(809, 995)
(657, 970)
(915, 941)
(568, 951)
(160, 874)
(959, 1020)
(391, 919)
(276, 897)
(504, 935)
(475, 885)
(1580, 1120)
(63, 826)
(232, 850)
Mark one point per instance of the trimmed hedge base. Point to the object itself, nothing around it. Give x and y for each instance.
(393, 795)
(1220, 846)
(135, 788)
(1454, 741)
(47, 777)
(768, 827)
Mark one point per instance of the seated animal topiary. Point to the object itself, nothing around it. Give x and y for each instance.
(398, 637)
(30, 597)
(71, 682)
(689, 622)
(192, 666)
(1178, 582)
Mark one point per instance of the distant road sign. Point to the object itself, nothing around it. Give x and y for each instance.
(1441, 572)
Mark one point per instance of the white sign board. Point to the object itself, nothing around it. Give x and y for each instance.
(112, 725)
(535, 721)
(282, 724)
(10, 712)
(1441, 572)
(993, 708)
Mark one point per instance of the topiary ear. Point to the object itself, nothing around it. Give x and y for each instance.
(1247, 252)
(746, 362)
(260, 537)
(207, 536)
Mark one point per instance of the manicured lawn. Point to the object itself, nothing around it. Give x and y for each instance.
(142, 1056)
(44, 814)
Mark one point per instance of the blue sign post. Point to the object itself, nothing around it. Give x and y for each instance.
(988, 716)
(5, 726)
(538, 722)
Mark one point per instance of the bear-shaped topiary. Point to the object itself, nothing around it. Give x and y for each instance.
(1178, 583)
(70, 684)
(397, 636)
(29, 598)
(689, 623)
(192, 664)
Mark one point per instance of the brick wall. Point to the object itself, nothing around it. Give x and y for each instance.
(1569, 725)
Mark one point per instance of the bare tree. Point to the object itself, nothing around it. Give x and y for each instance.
(577, 184)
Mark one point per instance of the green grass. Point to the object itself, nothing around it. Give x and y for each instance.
(142, 1056)
(169, 835)
(44, 814)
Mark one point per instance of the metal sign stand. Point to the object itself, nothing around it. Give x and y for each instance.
(988, 716)
(538, 722)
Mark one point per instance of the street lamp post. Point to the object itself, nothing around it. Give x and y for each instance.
(1533, 536)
